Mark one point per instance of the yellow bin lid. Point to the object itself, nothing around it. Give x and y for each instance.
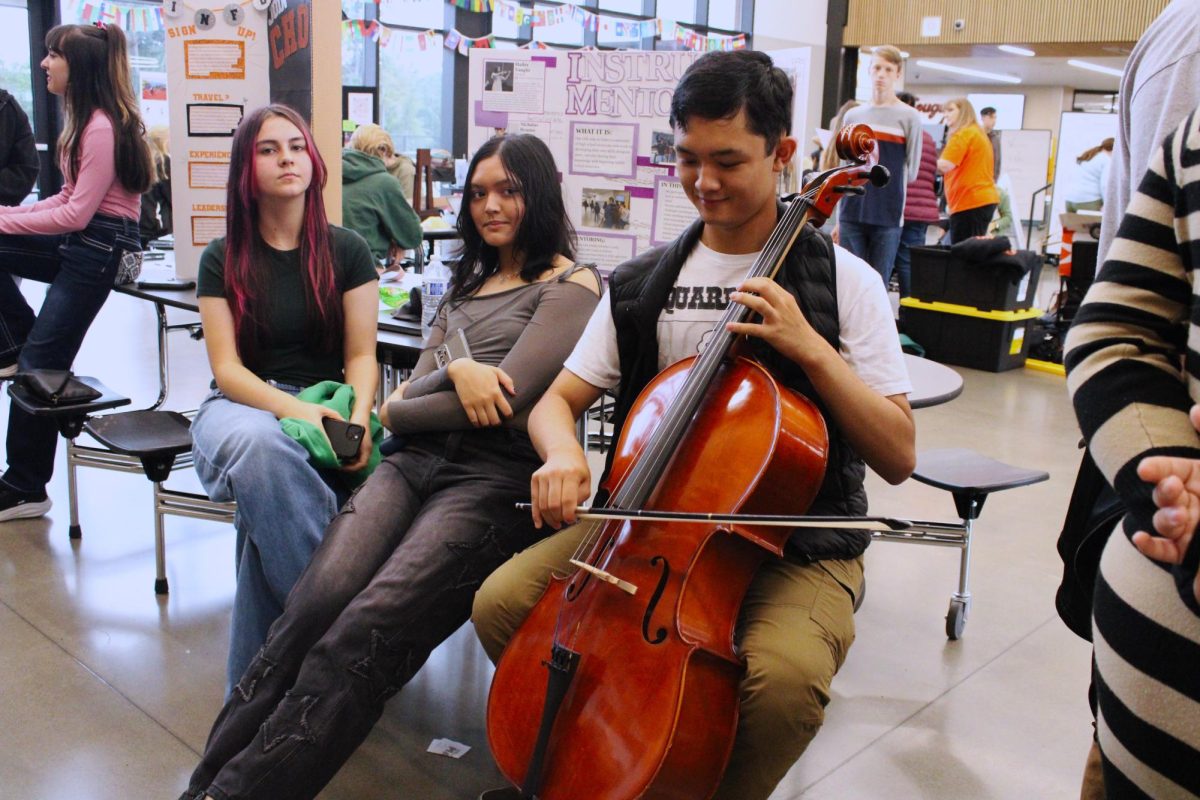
(968, 311)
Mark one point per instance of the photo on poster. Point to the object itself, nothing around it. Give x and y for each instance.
(662, 147)
(514, 86)
(154, 85)
(152, 99)
(497, 76)
(605, 208)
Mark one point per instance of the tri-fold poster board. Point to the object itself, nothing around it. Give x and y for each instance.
(603, 115)
(217, 63)
(224, 60)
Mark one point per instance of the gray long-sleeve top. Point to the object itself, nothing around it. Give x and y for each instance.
(527, 331)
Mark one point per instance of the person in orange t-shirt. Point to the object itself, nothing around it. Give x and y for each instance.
(967, 164)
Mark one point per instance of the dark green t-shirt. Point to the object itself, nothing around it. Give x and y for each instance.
(287, 354)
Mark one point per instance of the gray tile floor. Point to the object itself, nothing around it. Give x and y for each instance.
(107, 691)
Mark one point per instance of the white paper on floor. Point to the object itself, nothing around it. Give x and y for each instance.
(448, 747)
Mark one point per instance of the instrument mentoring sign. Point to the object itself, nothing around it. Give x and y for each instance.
(604, 116)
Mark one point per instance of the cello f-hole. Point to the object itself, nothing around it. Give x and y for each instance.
(661, 634)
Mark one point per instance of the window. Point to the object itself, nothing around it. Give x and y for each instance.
(412, 77)
(624, 6)
(147, 53)
(502, 26)
(568, 32)
(419, 14)
(725, 14)
(355, 53)
(15, 58)
(411, 91)
(678, 10)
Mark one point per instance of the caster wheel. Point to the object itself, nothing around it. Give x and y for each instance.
(956, 619)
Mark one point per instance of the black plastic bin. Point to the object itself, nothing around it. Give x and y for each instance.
(939, 277)
(967, 337)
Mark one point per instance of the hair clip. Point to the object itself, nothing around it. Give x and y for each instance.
(99, 24)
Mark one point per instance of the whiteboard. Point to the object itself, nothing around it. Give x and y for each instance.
(1024, 163)
(1077, 132)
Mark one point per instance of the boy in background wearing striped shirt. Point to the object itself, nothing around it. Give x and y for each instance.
(869, 225)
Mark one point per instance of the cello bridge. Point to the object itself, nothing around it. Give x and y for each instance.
(607, 577)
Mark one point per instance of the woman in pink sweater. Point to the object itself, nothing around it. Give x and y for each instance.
(72, 241)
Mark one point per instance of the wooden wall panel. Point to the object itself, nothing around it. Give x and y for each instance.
(1009, 21)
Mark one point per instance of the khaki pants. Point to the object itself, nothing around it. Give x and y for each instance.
(795, 629)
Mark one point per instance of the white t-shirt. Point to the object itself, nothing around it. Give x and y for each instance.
(867, 330)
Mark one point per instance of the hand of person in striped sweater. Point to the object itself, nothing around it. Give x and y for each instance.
(1177, 495)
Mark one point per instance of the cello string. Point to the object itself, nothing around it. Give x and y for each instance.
(587, 540)
(662, 443)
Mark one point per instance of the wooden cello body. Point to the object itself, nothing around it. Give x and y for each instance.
(652, 707)
(623, 681)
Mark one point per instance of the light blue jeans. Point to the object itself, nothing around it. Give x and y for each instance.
(283, 506)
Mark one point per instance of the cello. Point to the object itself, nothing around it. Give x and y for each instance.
(623, 680)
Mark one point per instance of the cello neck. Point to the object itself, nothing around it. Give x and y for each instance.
(854, 143)
(636, 489)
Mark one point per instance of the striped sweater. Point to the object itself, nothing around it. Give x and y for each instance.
(1133, 353)
(897, 130)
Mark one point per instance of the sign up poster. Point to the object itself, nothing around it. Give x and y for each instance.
(604, 116)
(217, 67)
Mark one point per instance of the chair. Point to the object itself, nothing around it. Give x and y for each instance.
(158, 442)
(151, 442)
(969, 477)
(423, 200)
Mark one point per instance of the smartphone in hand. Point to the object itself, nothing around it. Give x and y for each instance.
(346, 437)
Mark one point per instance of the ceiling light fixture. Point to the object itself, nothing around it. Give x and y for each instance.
(1074, 62)
(1016, 51)
(974, 73)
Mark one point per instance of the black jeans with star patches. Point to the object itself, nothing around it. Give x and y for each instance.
(394, 576)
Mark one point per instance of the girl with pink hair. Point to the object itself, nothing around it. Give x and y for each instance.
(287, 301)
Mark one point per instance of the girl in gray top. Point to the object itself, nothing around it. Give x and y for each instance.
(398, 568)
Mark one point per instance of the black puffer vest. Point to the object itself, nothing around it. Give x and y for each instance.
(639, 290)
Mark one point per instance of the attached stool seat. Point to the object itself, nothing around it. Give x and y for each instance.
(969, 477)
(154, 437)
(159, 442)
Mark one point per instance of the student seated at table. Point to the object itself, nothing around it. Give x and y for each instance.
(373, 202)
(72, 241)
(398, 568)
(287, 300)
